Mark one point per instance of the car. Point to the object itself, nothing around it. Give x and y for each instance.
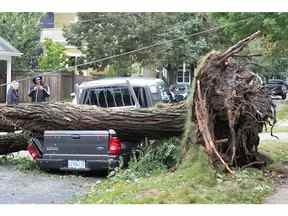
(180, 91)
(93, 150)
(277, 88)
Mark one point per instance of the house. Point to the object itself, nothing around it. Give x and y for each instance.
(182, 74)
(52, 25)
(7, 51)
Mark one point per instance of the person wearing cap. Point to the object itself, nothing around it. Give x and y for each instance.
(39, 92)
(12, 94)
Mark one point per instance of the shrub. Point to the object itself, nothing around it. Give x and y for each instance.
(151, 159)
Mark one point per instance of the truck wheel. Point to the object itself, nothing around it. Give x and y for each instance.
(284, 96)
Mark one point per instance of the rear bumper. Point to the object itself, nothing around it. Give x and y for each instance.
(90, 165)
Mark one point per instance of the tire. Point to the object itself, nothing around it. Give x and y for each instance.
(284, 96)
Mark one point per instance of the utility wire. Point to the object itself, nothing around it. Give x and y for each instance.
(159, 43)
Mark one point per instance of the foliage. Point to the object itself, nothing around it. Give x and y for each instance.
(273, 45)
(239, 25)
(105, 34)
(22, 30)
(151, 160)
(53, 56)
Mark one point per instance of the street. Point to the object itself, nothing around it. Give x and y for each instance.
(35, 187)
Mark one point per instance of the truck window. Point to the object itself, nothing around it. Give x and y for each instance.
(141, 96)
(108, 97)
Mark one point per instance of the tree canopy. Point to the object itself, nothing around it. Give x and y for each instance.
(273, 45)
(22, 30)
(105, 34)
(53, 56)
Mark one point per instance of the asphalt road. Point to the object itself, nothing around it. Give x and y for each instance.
(35, 187)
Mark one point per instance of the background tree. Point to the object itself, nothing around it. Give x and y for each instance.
(273, 45)
(53, 56)
(22, 30)
(105, 34)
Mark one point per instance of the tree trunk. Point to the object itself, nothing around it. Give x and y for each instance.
(4, 127)
(13, 142)
(133, 124)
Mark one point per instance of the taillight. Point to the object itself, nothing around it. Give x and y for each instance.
(33, 151)
(114, 145)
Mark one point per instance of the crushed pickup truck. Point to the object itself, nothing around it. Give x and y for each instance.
(88, 150)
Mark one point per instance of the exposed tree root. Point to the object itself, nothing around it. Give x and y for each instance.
(229, 109)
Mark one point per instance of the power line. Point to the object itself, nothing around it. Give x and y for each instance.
(130, 52)
(153, 45)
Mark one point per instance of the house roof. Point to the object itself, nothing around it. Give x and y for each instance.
(6, 49)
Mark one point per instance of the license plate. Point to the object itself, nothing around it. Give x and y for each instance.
(76, 164)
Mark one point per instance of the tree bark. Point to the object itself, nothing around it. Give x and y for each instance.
(133, 124)
(13, 142)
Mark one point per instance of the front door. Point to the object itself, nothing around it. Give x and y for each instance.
(3, 71)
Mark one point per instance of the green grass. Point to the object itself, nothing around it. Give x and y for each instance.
(282, 114)
(276, 149)
(193, 182)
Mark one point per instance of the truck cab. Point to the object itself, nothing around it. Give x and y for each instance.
(123, 92)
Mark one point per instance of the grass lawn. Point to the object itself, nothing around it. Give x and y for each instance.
(193, 182)
(278, 149)
(282, 118)
(282, 114)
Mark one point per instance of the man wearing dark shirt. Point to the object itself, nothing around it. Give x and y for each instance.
(39, 92)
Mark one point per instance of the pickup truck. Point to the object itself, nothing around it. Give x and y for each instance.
(87, 150)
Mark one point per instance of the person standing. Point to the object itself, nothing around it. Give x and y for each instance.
(39, 92)
(12, 94)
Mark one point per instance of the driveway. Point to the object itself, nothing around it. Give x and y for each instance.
(39, 187)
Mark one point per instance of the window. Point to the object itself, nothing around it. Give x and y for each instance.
(183, 74)
(108, 97)
(180, 76)
(47, 21)
(141, 96)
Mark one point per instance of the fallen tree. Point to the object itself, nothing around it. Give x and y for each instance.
(13, 142)
(6, 126)
(133, 124)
